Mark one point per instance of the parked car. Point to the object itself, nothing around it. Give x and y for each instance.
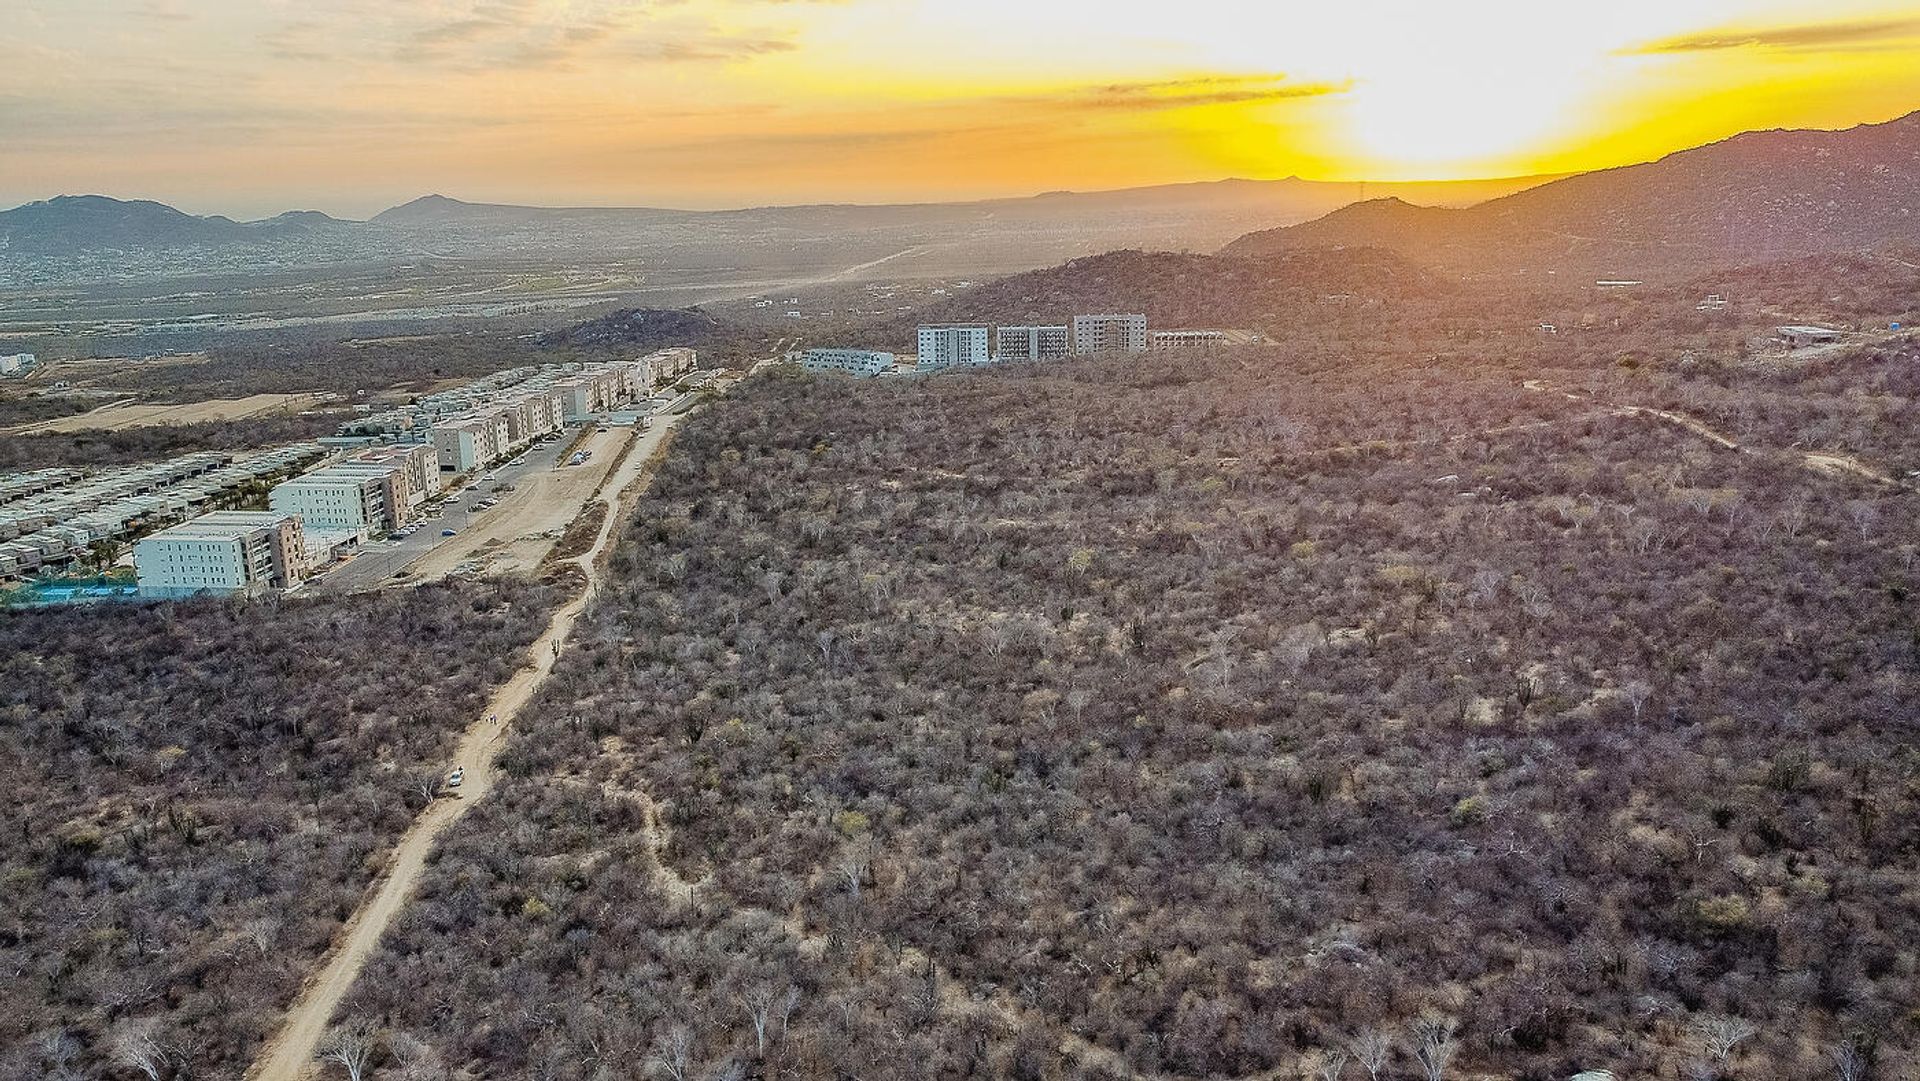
(449, 532)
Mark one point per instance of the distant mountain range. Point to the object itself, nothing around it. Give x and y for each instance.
(94, 222)
(1751, 198)
(968, 237)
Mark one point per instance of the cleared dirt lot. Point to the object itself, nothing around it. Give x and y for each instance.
(120, 416)
(513, 536)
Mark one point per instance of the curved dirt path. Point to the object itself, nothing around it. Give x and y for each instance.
(288, 1055)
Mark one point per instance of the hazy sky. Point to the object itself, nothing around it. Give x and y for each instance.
(253, 106)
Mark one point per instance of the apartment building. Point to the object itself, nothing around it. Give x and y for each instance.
(860, 363)
(668, 365)
(1109, 334)
(336, 500)
(416, 460)
(954, 346)
(463, 444)
(398, 495)
(1013, 345)
(229, 553)
(531, 416)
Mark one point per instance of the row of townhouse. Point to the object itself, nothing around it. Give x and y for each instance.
(53, 526)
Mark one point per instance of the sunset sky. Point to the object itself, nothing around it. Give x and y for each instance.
(248, 107)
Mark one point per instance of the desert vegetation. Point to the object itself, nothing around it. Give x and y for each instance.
(195, 796)
(99, 447)
(1356, 710)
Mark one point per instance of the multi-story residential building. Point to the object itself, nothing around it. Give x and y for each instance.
(416, 460)
(668, 365)
(954, 346)
(228, 553)
(1109, 334)
(862, 363)
(1013, 345)
(336, 501)
(17, 363)
(463, 444)
(398, 496)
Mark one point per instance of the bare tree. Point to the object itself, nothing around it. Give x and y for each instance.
(1720, 1034)
(1372, 1047)
(673, 1055)
(1332, 1063)
(351, 1046)
(1636, 693)
(1848, 1063)
(135, 1048)
(1435, 1042)
(853, 868)
(763, 1004)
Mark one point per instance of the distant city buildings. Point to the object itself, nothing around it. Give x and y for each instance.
(1109, 334)
(955, 346)
(860, 363)
(1015, 345)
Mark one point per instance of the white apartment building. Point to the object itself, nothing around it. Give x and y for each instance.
(230, 553)
(15, 363)
(954, 346)
(335, 501)
(1109, 334)
(861, 363)
(463, 444)
(1014, 345)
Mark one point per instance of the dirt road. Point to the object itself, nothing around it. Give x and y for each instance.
(289, 1054)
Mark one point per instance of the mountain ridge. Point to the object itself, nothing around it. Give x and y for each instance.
(1755, 195)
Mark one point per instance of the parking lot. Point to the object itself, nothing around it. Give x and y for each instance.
(512, 536)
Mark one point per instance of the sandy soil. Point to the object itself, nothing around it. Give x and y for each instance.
(512, 537)
(119, 415)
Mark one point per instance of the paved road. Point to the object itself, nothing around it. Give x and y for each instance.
(289, 1053)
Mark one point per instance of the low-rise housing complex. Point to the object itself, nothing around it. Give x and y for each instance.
(50, 517)
(861, 363)
(17, 363)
